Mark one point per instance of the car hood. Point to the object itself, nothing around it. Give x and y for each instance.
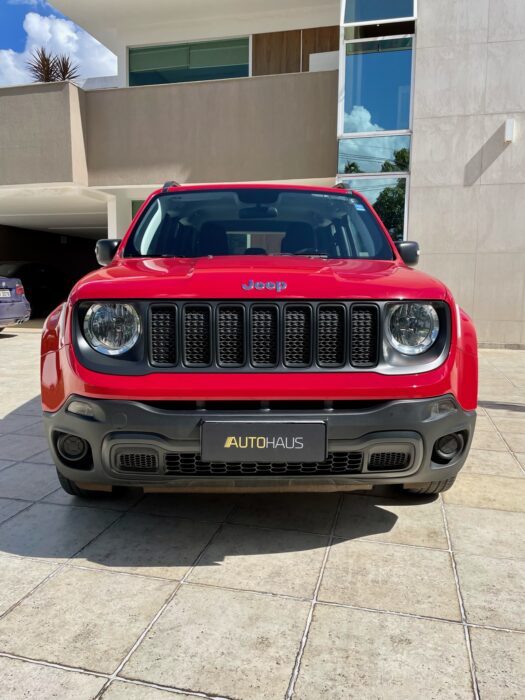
(228, 277)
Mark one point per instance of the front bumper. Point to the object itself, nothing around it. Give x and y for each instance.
(132, 427)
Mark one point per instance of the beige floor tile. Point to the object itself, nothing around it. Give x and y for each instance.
(222, 642)
(273, 561)
(149, 545)
(88, 619)
(387, 520)
(364, 655)
(499, 415)
(22, 680)
(391, 577)
(492, 463)
(511, 425)
(488, 440)
(500, 663)
(310, 512)
(43, 457)
(479, 491)
(9, 508)
(19, 447)
(493, 590)
(493, 533)
(13, 423)
(521, 458)
(53, 532)
(29, 482)
(516, 441)
(18, 576)
(106, 501)
(484, 423)
(120, 690)
(195, 506)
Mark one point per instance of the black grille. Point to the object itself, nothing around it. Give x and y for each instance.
(163, 335)
(264, 336)
(142, 462)
(197, 336)
(190, 464)
(230, 336)
(331, 336)
(385, 461)
(298, 336)
(364, 335)
(293, 336)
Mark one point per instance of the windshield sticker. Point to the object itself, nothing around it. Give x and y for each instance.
(360, 207)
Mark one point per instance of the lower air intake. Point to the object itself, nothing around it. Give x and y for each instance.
(190, 464)
(138, 462)
(388, 461)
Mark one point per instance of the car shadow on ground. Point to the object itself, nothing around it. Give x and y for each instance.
(164, 534)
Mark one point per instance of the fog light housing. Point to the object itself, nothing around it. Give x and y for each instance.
(448, 447)
(72, 447)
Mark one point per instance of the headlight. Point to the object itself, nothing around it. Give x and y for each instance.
(112, 329)
(412, 328)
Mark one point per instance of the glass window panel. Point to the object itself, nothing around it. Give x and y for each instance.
(180, 63)
(369, 10)
(374, 155)
(377, 85)
(388, 197)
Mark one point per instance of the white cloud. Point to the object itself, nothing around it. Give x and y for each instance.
(359, 121)
(60, 36)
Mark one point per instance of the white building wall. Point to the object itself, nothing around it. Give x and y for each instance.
(467, 194)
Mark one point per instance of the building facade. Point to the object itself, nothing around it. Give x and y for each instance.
(418, 104)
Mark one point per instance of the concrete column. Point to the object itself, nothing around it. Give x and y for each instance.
(119, 215)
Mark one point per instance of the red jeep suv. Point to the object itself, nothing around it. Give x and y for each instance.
(258, 337)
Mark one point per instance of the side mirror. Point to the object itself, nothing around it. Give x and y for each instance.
(105, 250)
(409, 252)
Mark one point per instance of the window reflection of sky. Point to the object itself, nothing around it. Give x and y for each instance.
(371, 188)
(377, 91)
(368, 155)
(366, 10)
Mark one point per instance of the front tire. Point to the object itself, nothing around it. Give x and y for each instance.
(74, 489)
(430, 488)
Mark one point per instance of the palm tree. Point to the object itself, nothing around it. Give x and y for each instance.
(65, 68)
(47, 68)
(42, 66)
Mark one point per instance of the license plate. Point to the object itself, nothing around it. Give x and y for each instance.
(5, 293)
(233, 442)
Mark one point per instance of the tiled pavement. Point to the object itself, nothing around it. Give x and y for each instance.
(310, 596)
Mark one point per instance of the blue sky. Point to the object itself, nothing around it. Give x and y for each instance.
(29, 24)
(12, 15)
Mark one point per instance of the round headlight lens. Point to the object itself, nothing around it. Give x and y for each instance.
(412, 328)
(112, 329)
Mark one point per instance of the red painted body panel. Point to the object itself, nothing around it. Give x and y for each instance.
(221, 278)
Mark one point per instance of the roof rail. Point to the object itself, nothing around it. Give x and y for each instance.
(170, 183)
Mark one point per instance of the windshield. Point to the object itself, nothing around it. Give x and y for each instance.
(200, 223)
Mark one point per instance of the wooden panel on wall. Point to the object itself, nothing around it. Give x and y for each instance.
(276, 52)
(319, 40)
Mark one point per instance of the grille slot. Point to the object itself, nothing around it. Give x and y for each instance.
(190, 464)
(364, 342)
(197, 336)
(264, 340)
(138, 462)
(230, 336)
(163, 335)
(331, 336)
(298, 336)
(387, 461)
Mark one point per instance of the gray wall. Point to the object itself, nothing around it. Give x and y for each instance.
(266, 128)
(467, 194)
(41, 135)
